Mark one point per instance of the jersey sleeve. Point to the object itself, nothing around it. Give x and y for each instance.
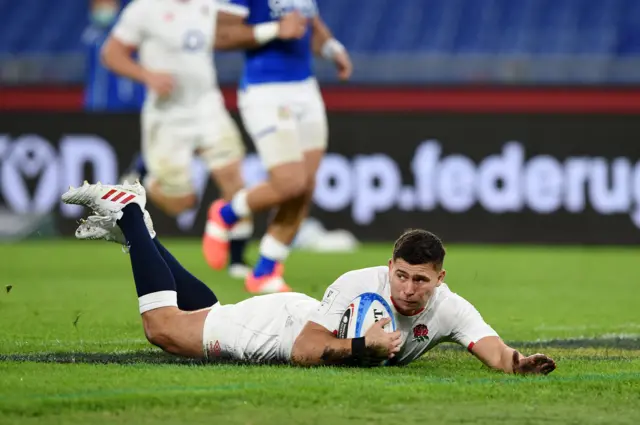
(336, 300)
(130, 27)
(234, 7)
(467, 325)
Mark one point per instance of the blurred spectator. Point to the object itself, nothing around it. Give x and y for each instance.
(104, 90)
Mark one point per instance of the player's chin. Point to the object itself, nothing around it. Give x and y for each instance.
(407, 306)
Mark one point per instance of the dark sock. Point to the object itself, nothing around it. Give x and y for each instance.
(150, 272)
(193, 294)
(140, 167)
(236, 250)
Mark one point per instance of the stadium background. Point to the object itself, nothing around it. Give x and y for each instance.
(484, 120)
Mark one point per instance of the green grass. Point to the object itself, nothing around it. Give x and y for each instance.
(72, 348)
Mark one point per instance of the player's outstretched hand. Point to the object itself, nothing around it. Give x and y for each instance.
(161, 83)
(535, 364)
(382, 344)
(292, 26)
(344, 65)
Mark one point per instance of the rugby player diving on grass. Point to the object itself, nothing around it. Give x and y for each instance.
(182, 316)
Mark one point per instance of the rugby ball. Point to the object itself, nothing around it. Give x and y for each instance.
(362, 313)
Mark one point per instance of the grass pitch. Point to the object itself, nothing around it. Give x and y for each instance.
(72, 348)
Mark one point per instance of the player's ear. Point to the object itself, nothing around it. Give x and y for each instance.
(441, 276)
(390, 264)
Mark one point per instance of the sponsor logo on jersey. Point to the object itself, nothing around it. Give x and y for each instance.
(420, 333)
(284, 113)
(194, 40)
(328, 300)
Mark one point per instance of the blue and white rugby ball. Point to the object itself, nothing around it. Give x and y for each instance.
(362, 313)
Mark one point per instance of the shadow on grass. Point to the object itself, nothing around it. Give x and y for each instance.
(147, 356)
(157, 357)
(620, 343)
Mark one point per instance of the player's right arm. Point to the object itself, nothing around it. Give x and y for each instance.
(126, 36)
(318, 345)
(233, 33)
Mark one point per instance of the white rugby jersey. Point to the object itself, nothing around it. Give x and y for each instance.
(447, 316)
(176, 37)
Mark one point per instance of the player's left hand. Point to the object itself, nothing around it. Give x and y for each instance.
(535, 364)
(344, 65)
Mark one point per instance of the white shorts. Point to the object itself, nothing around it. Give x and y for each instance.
(256, 330)
(169, 144)
(284, 120)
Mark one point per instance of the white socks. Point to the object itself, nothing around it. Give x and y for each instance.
(241, 230)
(239, 204)
(273, 249)
(158, 299)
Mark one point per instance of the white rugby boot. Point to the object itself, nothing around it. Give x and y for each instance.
(105, 228)
(107, 200)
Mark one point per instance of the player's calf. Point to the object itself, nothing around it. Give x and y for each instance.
(289, 180)
(170, 187)
(228, 179)
(171, 205)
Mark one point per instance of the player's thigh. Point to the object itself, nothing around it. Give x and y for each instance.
(168, 152)
(247, 330)
(175, 331)
(220, 142)
(273, 127)
(313, 128)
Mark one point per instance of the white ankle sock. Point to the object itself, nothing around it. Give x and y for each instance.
(239, 204)
(241, 230)
(158, 299)
(273, 249)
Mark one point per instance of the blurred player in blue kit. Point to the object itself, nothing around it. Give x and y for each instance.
(283, 112)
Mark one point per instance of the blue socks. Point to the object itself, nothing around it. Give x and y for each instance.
(272, 252)
(264, 266)
(155, 270)
(193, 294)
(228, 215)
(150, 272)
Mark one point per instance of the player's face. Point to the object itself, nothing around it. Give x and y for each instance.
(104, 3)
(104, 12)
(412, 285)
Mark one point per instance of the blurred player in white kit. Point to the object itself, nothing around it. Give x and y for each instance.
(184, 111)
(283, 112)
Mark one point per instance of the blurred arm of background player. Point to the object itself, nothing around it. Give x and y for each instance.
(233, 33)
(325, 45)
(118, 57)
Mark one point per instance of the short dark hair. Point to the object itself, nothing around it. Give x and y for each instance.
(416, 246)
